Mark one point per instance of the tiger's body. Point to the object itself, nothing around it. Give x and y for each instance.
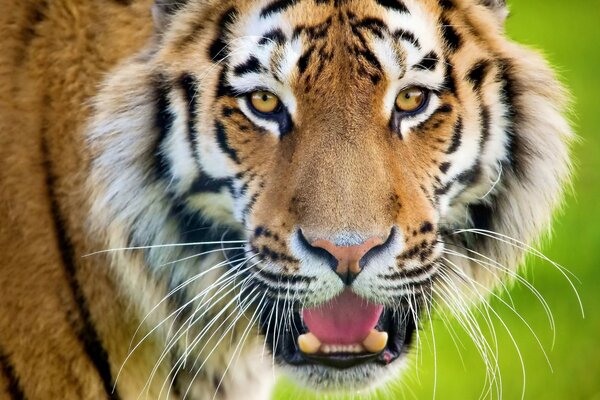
(167, 152)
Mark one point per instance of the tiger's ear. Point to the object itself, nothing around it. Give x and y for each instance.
(498, 6)
(163, 10)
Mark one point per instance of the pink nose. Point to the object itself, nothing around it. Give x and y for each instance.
(348, 257)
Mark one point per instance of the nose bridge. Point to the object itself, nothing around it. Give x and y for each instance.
(348, 257)
(342, 180)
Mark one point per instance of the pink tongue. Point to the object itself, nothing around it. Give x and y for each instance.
(346, 319)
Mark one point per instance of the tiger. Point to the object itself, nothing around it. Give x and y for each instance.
(199, 195)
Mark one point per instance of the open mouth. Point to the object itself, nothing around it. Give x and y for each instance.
(345, 332)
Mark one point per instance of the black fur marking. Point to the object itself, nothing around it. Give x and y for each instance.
(429, 62)
(394, 5)
(517, 149)
(86, 331)
(456, 137)
(447, 5)
(485, 125)
(304, 60)
(251, 65)
(223, 87)
(478, 73)
(444, 167)
(482, 215)
(218, 48)
(164, 123)
(275, 35)
(206, 184)
(401, 34)
(276, 7)
(471, 175)
(224, 143)
(449, 81)
(451, 37)
(15, 390)
(192, 93)
(426, 227)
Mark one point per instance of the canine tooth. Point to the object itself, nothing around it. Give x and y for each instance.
(326, 349)
(309, 343)
(376, 341)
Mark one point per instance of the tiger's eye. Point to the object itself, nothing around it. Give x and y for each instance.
(264, 102)
(410, 99)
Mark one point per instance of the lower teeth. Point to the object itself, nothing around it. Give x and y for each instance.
(374, 343)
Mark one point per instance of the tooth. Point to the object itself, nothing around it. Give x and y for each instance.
(376, 341)
(309, 343)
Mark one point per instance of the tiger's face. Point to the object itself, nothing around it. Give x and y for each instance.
(346, 142)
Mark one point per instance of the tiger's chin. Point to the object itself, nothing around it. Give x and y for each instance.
(345, 344)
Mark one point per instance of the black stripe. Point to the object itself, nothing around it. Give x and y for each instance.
(449, 81)
(276, 35)
(471, 175)
(251, 65)
(393, 4)
(206, 184)
(15, 390)
(517, 149)
(87, 333)
(451, 37)
(401, 34)
(456, 137)
(277, 6)
(481, 215)
(164, 123)
(224, 89)
(224, 143)
(477, 74)
(428, 63)
(192, 93)
(446, 5)
(444, 167)
(218, 48)
(304, 59)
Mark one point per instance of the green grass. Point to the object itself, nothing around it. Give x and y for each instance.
(568, 32)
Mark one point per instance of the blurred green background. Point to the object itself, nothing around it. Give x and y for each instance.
(568, 33)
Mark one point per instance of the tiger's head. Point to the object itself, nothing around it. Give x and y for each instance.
(370, 157)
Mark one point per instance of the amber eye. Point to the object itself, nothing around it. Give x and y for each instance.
(264, 102)
(410, 99)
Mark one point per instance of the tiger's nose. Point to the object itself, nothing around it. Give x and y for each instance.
(347, 261)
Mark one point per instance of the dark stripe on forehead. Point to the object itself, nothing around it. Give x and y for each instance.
(276, 7)
(401, 34)
(251, 65)
(393, 4)
(451, 37)
(429, 62)
(218, 49)
(276, 35)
